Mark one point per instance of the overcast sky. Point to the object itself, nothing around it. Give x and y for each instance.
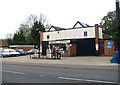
(61, 13)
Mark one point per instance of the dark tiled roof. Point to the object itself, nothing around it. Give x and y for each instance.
(56, 28)
(82, 25)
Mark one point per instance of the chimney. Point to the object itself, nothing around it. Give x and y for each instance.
(40, 42)
(40, 37)
(96, 38)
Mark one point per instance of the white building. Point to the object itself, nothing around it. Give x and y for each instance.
(81, 40)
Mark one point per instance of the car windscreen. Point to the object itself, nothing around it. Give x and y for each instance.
(20, 49)
(5, 51)
(33, 50)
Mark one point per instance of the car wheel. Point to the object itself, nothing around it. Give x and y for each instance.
(2, 56)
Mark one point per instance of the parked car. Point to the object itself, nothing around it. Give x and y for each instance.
(9, 52)
(32, 51)
(4, 53)
(21, 51)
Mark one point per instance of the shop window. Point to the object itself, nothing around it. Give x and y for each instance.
(48, 37)
(59, 46)
(85, 33)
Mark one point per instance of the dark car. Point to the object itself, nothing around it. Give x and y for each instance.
(21, 51)
(32, 51)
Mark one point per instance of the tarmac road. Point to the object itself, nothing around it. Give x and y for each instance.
(22, 73)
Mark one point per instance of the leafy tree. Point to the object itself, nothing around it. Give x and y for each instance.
(19, 38)
(109, 25)
(35, 35)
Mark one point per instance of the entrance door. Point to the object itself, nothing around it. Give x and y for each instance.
(44, 47)
(73, 50)
(101, 48)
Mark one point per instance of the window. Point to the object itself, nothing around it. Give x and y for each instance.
(85, 33)
(48, 37)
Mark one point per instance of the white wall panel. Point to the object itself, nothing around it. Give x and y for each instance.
(70, 34)
(100, 33)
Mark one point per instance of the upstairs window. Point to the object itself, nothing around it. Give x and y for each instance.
(48, 37)
(85, 33)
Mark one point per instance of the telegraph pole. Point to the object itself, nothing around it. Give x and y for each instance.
(38, 29)
(118, 26)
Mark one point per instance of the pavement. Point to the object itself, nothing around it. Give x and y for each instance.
(79, 60)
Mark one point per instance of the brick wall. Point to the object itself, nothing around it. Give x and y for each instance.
(66, 52)
(109, 51)
(24, 48)
(96, 35)
(40, 37)
(41, 41)
(71, 51)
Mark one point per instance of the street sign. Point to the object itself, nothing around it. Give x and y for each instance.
(40, 47)
(66, 47)
(96, 46)
(109, 44)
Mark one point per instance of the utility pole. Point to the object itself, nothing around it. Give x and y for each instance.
(38, 29)
(118, 26)
(39, 45)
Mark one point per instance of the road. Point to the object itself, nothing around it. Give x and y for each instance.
(16, 73)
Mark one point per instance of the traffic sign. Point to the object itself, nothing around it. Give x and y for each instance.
(109, 44)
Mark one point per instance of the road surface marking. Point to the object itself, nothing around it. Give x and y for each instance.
(41, 75)
(97, 81)
(13, 72)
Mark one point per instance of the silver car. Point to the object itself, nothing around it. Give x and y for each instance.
(4, 53)
(12, 52)
(8, 52)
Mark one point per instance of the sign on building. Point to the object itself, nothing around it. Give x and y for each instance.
(109, 44)
(40, 47)
(96, 46)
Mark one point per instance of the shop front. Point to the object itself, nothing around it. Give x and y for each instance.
(65, 47)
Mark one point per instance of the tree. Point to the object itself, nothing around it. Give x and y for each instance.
(19, 38)
(35, 35)
(36, 24)
(109, 25)
(28, 32)
(9, 38)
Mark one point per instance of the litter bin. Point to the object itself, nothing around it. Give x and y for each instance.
(58, 55)
(115, 58)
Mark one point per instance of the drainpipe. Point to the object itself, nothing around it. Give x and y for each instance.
(118, 26)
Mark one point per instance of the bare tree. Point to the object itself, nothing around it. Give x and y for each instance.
(9, 36)
(42, 19)
(31, 19)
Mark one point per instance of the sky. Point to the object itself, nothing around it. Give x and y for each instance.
(60, 13)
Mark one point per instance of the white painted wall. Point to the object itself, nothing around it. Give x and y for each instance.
(100, 33)
(70, 34)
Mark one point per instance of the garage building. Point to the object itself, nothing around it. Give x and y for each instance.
(81, 40)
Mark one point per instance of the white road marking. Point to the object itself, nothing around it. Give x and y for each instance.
(13, 72)
(97, 81)
(41, 75)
